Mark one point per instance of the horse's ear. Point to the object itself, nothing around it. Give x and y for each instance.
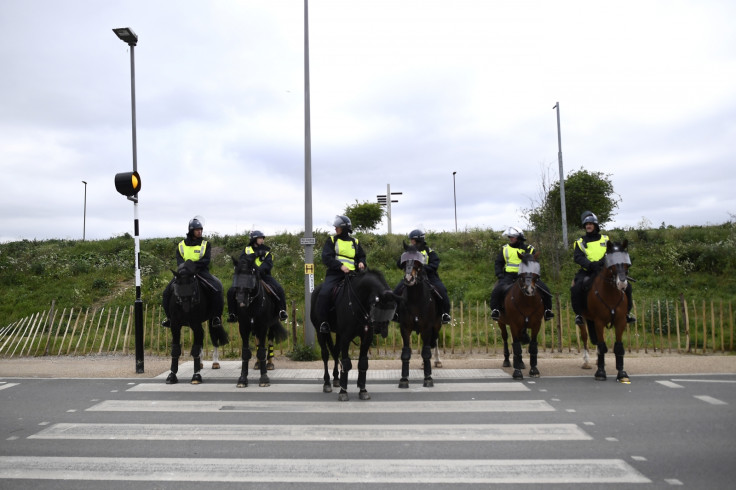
(609, 246)
(174, 272)
(404, 244)
(624, 244)
(235, 261)
(536, 256)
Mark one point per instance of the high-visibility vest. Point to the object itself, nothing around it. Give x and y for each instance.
(192, 252)
(512, 259)
(259, 260)
(345, 251)
(593, 250)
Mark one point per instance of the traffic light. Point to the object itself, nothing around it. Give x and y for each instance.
(128, 183)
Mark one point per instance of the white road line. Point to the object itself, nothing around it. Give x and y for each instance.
(705, 381)
(219, 387)
(710, 399)
(290, 433)
(483, 471)
(8, 385)
(332, 406)
(670, 384)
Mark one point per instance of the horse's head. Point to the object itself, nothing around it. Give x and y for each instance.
(377, 299)
(246, 279)
(529, 271)
(186, 286)
(412, 261)
(617, 263)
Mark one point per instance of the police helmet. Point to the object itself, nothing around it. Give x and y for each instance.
(195, 224)
(343, 222)
(513, 231)
(255, 235)
(417, 235)
(588, 217)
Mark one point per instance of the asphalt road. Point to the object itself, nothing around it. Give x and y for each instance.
(481, 429)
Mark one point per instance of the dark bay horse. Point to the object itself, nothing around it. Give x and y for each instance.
(364, 304)
(188, 307)
(523, 309)
(607, 306)
(257, 314)
(419, 311)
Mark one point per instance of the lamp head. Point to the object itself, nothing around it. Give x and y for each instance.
(126, 35)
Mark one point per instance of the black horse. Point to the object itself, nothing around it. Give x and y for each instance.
(257, 314)
(419, 311)
(364, 304)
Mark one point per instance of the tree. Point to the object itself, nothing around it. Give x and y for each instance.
(584, 191)
(365, 216)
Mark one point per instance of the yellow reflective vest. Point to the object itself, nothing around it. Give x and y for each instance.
(511, 256)
(192, 252)
(345, 251)
(593, 250)
(259, 260)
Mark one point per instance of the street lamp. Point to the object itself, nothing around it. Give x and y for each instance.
(454, 196)
(307, 240)
(84, 223)
(129, 37)
(562, 177)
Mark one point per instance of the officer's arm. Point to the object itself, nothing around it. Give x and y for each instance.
(328, 256)
(499, 265)
(360, 256)
(267, 264)
(179, 258)
(434, 261)
(580, 258)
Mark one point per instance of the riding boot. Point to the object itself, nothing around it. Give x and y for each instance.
(629, 317)
(166, 323)
(579, 321)
(446, 318)
(495, 314)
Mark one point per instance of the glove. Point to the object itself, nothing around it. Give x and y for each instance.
(595, 266)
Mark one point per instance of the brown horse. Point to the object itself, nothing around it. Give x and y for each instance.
(607, 307)
(523, 308)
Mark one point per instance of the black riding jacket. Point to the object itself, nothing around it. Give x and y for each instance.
(262, 252)
(500, 264)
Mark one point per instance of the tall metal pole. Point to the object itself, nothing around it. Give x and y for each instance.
(308, 240)
(454, 197)
(562, 177)
(388, 206)
(84, 222)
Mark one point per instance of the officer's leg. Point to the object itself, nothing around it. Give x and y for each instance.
(323, 303)
(232, 306)
(496, 300)
(546, 300)
(282, 296)
(576, 298)
(439, 285)
(629, 317)
(215, 297)
(166, 302)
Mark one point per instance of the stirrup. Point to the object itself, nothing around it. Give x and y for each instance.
(232, 318)
(324, 327)
(495, 314)
(283, 316)
(216, 322)
(548, 315)
(579, 320)
(446, 318)
(630, 318)
(166, 323)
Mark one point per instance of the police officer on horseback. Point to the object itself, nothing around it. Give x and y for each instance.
(341, 254)
(589, 251)
(196, 249)
(507, 271)
(431, 264)
(264, 263)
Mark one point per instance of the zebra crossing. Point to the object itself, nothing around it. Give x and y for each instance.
(302, 416)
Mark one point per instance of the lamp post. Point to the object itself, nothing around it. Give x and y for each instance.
(84, 223)
(308, 240)
(129, 37)
(454, 196)
(562, 177)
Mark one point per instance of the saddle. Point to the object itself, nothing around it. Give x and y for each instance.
(269, 290)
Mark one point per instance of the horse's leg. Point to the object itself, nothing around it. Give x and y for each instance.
(215, 358)
(261, 356)
(600, 374)
(346, 367)
(335, 359)
(584, 336)
(505, 338)
(196, 353)
(325, 351)
(533, 371)
(175, 353)
(427, 358)
(618, 350)
(437, 360)
(246, 354)
(518, 365)
(363, 368)
(269, 357)
(405, 358)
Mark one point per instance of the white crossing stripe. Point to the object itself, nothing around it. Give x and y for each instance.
(219, 387)
(710, 399)
(332, 406)
(398, 471)
(272, 433)
(705, 380)
(8, 385)
(670, 384)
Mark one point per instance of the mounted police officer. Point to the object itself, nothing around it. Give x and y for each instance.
(264, 264)
(194, 248)
(341, 254)
(507, 271)
(589, 251)
(431, 264)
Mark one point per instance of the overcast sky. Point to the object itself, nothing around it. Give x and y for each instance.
(402, 93)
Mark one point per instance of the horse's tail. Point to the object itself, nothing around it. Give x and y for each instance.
(278, 332)
(219, 336)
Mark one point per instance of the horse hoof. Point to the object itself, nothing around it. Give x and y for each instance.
(215, 365)
(242, 382)
(335, 383)
(429, 383)
(506, 363)
(343, 397)
(172, 379)
(518, 375)
(270, 366)
(600, 375)
(623, 378)
(196, 379)
(264, 382)
(404, 383)
(534, 372)
(363, 395)
(586, 366)
(326, 388)
(438, 364)
(256, 365)
(522, 365)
